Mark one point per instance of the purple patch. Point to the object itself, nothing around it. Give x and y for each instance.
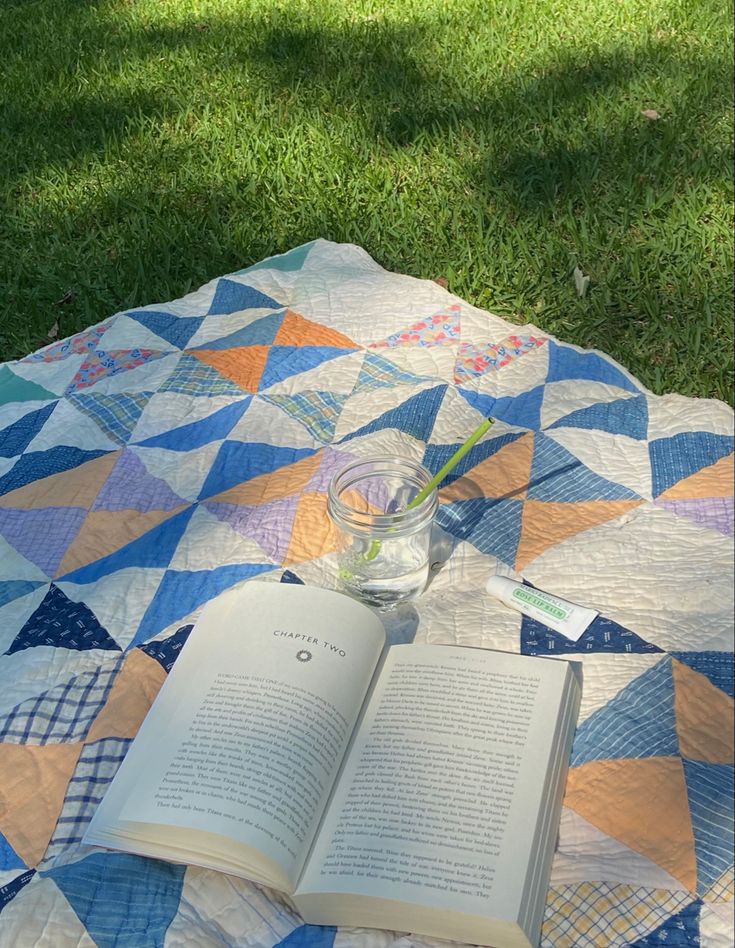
(713, 512)
(131, 487)
(270, 525)
(42, 535)
(332, 461)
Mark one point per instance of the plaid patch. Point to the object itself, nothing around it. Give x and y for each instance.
(193, 377)
(587, 914)
(724, 889)
(317, 411)
(377, 372)
(64, 713)
(97, 765)
(116, 415)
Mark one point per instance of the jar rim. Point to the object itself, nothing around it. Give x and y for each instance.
(394, 524)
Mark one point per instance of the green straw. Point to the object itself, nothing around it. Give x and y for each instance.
(438, 477)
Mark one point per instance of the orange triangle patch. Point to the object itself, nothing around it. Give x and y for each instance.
(77, 487)
(274, 485)
(313, 534)
(506, 474)
(33, 782)
(105, 531)
(717, 480)
(242, 365)
(546, 523)
(296, 330)
(704, 717)
(132, 693)
(642, 803)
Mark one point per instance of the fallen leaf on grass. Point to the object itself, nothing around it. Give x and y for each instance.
(651, 114)
(54, 331)
(442, 281)
(581, 281)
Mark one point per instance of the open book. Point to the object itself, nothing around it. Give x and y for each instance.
(415, 788)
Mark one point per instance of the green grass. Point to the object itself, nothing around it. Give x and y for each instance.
(150, 145)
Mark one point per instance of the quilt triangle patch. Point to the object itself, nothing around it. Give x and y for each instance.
(100, 365)
(74, 486)
(34, 781)
(318, 412)
(9, 859)
(260, 332)
(715, 480)
(214, 427)
(115, 415)
(285, 262)
(714, 513)
(710, 794)
(286, 361)
(60, 623)
(243, 366)
(285, 481)
(377, 372)
(153, 549)
(474, 361)
(177, 330)
(16, 588)
(166, 651)
(491, 526)
(705, 717)
(639, 721)
(14, 388)
(131, 696)
(40, 464)
(146, 896)
(79, 344)
(674, 459)
(497, 468)
(602, 635)
(42, 535)
(9, 891)
(182, 591)
(238, 462)
(568, 363)
(313, 534)
(231, 296)
(16, 437)
(546, 524)
(718, 667)
(297, 330)
(441, 329)
(644, 804)
(415, 416)
(269, 524)
(131, 487)
(624, 416)
(681, 930)
(309, 936)
(192, 376)
(557, 475)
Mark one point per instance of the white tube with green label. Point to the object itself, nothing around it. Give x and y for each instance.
(558, 614)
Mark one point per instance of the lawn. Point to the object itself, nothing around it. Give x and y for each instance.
(150, 145)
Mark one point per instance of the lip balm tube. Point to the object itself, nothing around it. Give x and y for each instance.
(558, 614)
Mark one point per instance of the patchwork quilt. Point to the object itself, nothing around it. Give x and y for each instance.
(171, 452)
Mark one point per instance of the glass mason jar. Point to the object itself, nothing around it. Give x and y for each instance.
(383, 541)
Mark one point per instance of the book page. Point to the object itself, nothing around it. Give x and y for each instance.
(250, 728)
(440, 794)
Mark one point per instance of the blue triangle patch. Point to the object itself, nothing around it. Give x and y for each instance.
(233, 297)
(437, 455)
(673, 459)
(261, 332)
(309, 936)
(716, 666)
(16, 437)
(177, 330)
(638, 722)
(286, 361)
(285, 262)
(238, 461)
(492, 526)
(559, 476)
(710, 793)
(416, 416)
(602, 635)
(9, 859)
(123, 901)
(15, 588)
(625, 416)
(214, 427)
(291, 578)
(166, 651)
(680, 930)
(521, 411)
(32, 467)
(377, 372)
(154, 549)
(61, 623)
(183, 591)
(9, 891)
(566, 363)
